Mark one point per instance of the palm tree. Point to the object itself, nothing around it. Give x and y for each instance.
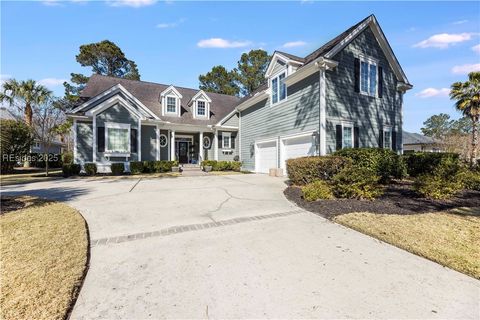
(25, 95)
(467, 95)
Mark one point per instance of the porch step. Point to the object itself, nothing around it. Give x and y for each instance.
(190, 165)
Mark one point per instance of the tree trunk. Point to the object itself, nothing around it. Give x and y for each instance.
(46, 164)
(473, 154)
(28, 115)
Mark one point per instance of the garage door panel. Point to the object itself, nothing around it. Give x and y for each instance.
(297, 147)
(266, 156)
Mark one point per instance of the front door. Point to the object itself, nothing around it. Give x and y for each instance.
(183, 152)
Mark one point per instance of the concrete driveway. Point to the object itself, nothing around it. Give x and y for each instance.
(234, 247)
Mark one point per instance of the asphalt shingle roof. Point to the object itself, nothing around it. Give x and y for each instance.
(416, 138)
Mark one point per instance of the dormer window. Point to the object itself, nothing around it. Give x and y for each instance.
(279, 88)
(201, 108)
(171, 104)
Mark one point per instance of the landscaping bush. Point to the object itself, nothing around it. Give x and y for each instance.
(71, 169)
(136, 167)
(158, 166)
(356, 183)
(117, 168)
(470, 179)
(443, 183)
(16, 139)
(222, 165)
(384, 163)
(67, 158)
(38, 160)
(317, 190)
(419, 163)
(90, 169)
(309, 169)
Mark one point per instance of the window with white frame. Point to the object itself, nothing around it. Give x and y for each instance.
(279, 88)
(387, 138)
(368, 77)
(201, 108)
(347, 138)
(117, 137)
(226, 140)
(171, 104)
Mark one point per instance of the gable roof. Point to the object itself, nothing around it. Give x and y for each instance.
(148, 93)
(416, 138)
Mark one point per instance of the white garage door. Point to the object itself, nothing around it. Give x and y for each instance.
(297, 147)
(266, 156)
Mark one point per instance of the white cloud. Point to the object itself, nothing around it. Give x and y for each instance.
(222, 43)
(432, 92)
(51, 3)
(466, 68)
(166, 25)
(51, 82)
(460, 22)
(306, 1)
(293, 44)
(444, 40)
(131, 3)
(476, 48)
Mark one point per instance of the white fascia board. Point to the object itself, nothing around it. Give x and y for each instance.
(111, 102)
(77, 117)
(382, 40)
(273, 61)
(253, 100)
(199, 95)
(219, 123)
(309, 69)
(173, 89)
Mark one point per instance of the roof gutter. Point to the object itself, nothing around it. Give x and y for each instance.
(253, 100)
(309, 69)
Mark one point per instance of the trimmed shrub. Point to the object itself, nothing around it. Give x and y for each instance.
(305, 170)
(356, 183)
(470, 179)
(384, 163)
(71, 169)
(317, 190)
(136, 167)
(222, 165)
(67, 157)
(443, 183)
(419, 163)
(158, 166)
(117, 168)
(90, 169)
(15, 141)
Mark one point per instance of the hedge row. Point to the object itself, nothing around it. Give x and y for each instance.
(137, 167)
(419, 163)
(309, 169)
(222, 165)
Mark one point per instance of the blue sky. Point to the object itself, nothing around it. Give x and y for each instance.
(437, 43)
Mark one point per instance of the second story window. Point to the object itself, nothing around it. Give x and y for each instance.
(279, 88)
(368, 77)
(171, 105)
(201, 110)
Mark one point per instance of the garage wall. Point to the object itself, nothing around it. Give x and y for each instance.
(298, 114)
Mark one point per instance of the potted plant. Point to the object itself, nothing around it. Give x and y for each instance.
(207, 168)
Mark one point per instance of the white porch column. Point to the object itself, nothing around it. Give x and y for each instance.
(157, 134)
(75, 155)
(94, 142)
(215, 145)
(323, 122)
(172, 145)
(200, 147)
(139, 140)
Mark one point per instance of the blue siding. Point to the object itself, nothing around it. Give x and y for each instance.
(84, 142)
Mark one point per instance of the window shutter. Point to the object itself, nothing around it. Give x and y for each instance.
(380, 82)
(394, 140)
(133, 141)
(357, 74)
(380, 139)
(338, 136)
(101, 139)
(356, 137)
(220, 141)
(232, 141)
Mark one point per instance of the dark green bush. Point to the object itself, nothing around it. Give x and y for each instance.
(90, 169)
(443, 183)
(356, 183)
(222, 165)
(419, 163)
(309, 169)
(470, 179)
(136, 167)
(158, 166)
(117, 168)
(71, 169)
(67, 157)
(38, 160)
(317, 190)
(16, 139)
(384, 163)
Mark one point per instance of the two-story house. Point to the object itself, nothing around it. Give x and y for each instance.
(346, 94)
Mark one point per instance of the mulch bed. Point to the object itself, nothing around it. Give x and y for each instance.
(399, 198)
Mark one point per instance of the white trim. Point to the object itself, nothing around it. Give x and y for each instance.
(259, 96)
(369, 61)
(157, 144)
(75, 143)
(229, 135)
(228, 116)
(309, 69)
(165, 111)
(206, 106)
(95, 139)
(348, 124)
(278, 56)
(113, 89)
(116, 125)
(209, 141)
(239, 137)
(200, 147)
(215, 145)
(173, 89)
(289, 137)
(387, 128)
(172, 145)
(322, 134)
(139, 140)
(199, 94)
(270, 88)
(110, 103)
(257, 159)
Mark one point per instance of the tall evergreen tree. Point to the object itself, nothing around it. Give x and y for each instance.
(219, 80)
(251, 69)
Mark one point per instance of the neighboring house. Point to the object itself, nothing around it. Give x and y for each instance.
(346, 94)
(56, 147)
(415, 142)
